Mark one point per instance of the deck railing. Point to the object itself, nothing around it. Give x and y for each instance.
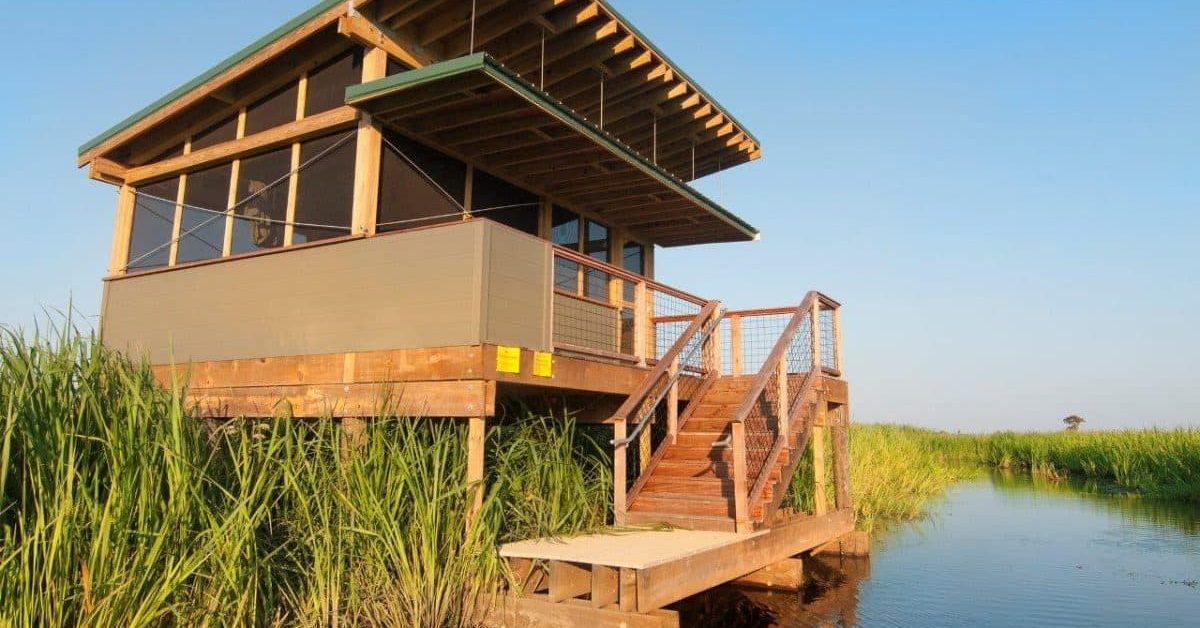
(606, 310)
(805, 348)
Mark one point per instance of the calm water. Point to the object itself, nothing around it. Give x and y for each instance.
(1004, 551)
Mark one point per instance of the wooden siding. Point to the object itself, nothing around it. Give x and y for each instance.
(446, 286)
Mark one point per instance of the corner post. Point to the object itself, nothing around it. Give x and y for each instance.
(368, 152)
(735, 344)
(840, 437)
(781, 390)
(741, 509)
(673, 402)
(122, 230)
(815, 337)
(820, 495)
(641, 323)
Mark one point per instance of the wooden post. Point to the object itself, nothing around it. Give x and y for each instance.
(354, 436)
(641, 323)
(840, 433)
(820, 498)
(740, 485)
(815, 316)
(476, 439)
(673, 402)
(619, 473)
(735, 344)
(781, 389)
(122, 230)
(368, 152)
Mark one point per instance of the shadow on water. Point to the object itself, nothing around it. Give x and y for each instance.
(1005, 550)
(829, 598)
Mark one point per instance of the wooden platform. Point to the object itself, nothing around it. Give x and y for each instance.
(645, 570)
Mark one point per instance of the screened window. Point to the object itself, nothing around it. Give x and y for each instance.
(223, 131)
(262, 195)
(596, 247)
(504, 202)
(564, 231)
(274, 110)
(417, 185)
(153, 224)
(202, 231)
(633, 259)
(325, 195)
(327, 84)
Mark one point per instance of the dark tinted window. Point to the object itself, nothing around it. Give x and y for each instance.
(596, 246)
(327, 84)
(325, 194)
(272, 111)
(396, 67)
(417, 182)
(153, 223)
(504, 202)
(564, 231)
(205, 197)
(633, 259)
(259, 221)
(222, 131)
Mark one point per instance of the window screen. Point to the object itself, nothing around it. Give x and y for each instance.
(202, 231)
(409, 185)
(223, 131)
(325, 194)
(274, 110)
(504, 202)
(153, 223)
(564, 231)
(258, 222)
(596, 246)
(327, 84)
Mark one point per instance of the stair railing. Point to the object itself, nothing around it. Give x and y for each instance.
(693, 353)
(772, 395)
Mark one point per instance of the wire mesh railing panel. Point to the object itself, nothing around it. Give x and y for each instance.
(670, 314)
(828, 339)
(586, 323)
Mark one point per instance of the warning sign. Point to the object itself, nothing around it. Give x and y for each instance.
(508, 360)
(543, 364)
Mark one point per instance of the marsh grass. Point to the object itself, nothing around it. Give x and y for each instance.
(120, 509)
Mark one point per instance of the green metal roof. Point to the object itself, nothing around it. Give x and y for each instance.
(229, 62)
(305, 17)
(482, 62)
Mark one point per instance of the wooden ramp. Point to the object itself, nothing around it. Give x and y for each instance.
(641, 571)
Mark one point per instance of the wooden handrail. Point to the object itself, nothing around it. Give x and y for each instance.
(621, 273)
(664, 363)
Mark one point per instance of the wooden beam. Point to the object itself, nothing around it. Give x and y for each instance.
(372, 35)
(467, 398)
(220, 81)
(664, 584)
(840, 436)
(605, 585)
(108, 171)
(282, 135)
(368, 152)
(568, 580)
(785, 575)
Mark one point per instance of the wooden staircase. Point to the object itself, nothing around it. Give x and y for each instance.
(726, 461)
(691, 483)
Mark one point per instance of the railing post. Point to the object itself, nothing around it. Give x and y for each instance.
(641, 323)
(815, 326)
(781, 387)
(619, 472)
(837, 338)
(735, 344)
(740, 498)
(840, 436)
(673, 401)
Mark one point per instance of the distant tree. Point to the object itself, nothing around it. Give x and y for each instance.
(1073, 422)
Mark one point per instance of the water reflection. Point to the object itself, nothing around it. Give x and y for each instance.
(1007, 550)
(829, 598)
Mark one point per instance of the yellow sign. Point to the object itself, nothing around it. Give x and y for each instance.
(508, 360)
(543, 364)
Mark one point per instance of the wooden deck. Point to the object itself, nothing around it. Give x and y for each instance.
(644, 570)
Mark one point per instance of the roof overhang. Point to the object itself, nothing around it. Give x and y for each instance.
(475, 109)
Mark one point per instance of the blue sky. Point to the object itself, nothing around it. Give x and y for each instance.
(1005, 196)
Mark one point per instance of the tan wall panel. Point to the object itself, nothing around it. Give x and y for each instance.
(407, 290)
(516, 310)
